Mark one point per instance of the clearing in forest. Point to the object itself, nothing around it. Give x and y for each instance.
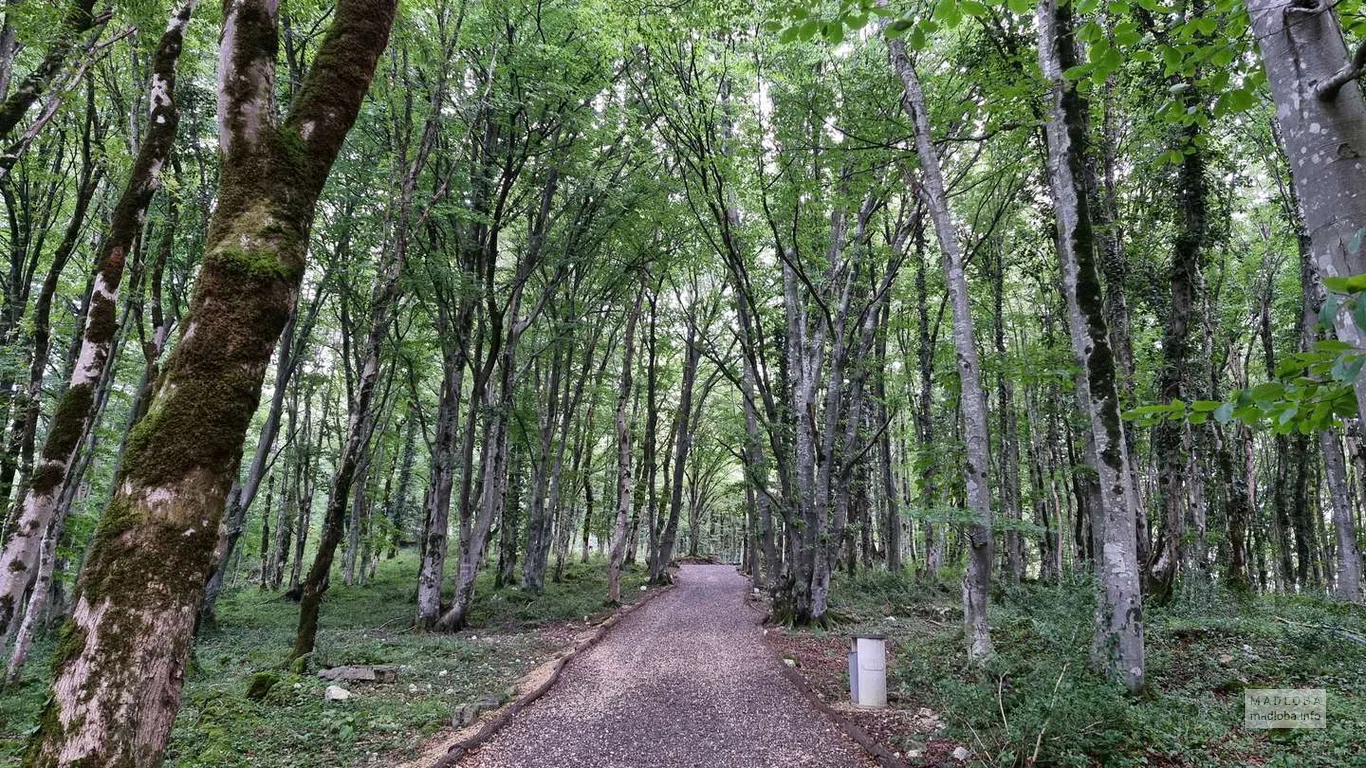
(684, 681)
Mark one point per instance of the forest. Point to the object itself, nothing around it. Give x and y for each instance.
(1026, 334)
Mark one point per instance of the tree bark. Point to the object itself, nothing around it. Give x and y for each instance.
(120, 671)
(1118, 645)
(1323, 131)
(623, 427)
(977, 445)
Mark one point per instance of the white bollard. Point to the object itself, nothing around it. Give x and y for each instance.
(868, 670)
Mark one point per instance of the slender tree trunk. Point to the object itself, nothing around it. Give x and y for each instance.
(1119, 645)
(623, 427)
(1348, 555)
(79, 18)
(436, 524)
(976, 441)
(692, 354)
(509, 527)
(76, 408)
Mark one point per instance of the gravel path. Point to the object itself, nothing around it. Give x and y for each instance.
(683, 682)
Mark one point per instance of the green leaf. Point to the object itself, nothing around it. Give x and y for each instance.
(1020, 6)
(973, 8)
(947, 11)
(1224, 413)
(1352, 284)
(1329, 311)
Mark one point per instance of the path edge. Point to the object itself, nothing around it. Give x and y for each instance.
(856, 732)
(504, 716)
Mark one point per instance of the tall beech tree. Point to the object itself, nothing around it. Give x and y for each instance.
(1118, 642)
(119, 675)
(976, 582)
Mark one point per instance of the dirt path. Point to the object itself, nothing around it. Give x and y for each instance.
(684, 682)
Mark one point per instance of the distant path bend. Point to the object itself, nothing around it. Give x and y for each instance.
(684, 682)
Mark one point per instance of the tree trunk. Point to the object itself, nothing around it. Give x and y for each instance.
(692, 354)
(977, 443)
(76, 408)
(121, 668)
(509, 527)
(436, 521)
(1118, 645)
(623, 427)
(1321, 118)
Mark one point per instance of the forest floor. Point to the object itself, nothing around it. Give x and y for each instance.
(511, 633)
(684, 682)
(1039, 696)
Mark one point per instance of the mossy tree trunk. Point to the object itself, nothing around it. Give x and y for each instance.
(77, 404)
(121, 663)
(1118, 647)
(1172, 440)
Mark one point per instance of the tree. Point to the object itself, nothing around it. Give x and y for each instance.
(144, 575)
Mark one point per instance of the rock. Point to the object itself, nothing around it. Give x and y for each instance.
(510, 692)
(642, 587)
(336, 693)
(261, 683)
(961, 754)
(362, 673)
(489, 701)
(790, 662)
(1225, 658)
(464, 715)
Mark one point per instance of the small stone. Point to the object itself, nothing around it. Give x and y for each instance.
(412, 687)
(642, 587)
(790, 662)
(1225, 658)
(336, 693)
(443, 673)
(961, 754)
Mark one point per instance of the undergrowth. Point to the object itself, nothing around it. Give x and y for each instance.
(1038, 698)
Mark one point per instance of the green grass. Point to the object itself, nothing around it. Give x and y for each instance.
(293, 725)
(1203, 651)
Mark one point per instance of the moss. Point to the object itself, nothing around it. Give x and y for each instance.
(261, 684)
(292, 148)
(103, 320)
(68, 423)
(254, 262)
